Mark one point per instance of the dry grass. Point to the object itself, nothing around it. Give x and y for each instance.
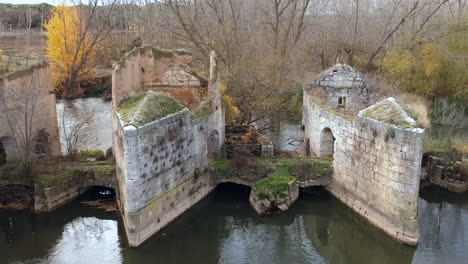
(416, 106)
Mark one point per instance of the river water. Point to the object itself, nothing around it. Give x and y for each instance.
(98, 130)
(224, 229)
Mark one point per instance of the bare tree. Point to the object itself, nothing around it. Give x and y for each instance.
(19, 110)
(77, 128)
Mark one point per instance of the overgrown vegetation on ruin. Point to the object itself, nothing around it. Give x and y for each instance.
(147, 107)
(302, 168)
(389, 113)
(276, 185)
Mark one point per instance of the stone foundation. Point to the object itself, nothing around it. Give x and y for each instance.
(376, 167)
(264, 206)
(162, 165)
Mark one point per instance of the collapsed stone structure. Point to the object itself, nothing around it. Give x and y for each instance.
(376, 154)
(27, 94)
(162, 164)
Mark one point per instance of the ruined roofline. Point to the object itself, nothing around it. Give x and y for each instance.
(157, 53)
(355, 79)
(388, 111)
(25, 71)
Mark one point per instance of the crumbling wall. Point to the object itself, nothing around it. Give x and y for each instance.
(376, 167)
(345, 82)
(162, 166)
(146, 68)
(28, 91)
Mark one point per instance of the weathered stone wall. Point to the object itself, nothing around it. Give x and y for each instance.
(28, 89)
(147, 66)
(51, 198)
(376, 167)
(345, 82)
(162, 166)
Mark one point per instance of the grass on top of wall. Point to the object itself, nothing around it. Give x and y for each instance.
(387, 112)
(147, 107)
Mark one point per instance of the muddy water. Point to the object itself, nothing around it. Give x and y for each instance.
(224, 229)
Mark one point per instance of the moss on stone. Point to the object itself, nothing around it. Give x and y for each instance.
(147, 107)
(311, 169)
(220, 164)
(388, 113)
(202, 110)
(56, 177)
(276, 185)
(159, 54)
(320, 105)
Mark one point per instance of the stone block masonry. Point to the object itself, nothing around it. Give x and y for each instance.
(376, 165)
(162, 166)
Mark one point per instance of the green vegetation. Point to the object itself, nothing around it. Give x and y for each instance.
(202, 110)
(276, 185)
(303, 168)
(46, 180)
(387, 112)
(429, 71)
(440, 140)
(147, 107)
(159, 53)
(92, 153)
(102, 86)
(220, 164)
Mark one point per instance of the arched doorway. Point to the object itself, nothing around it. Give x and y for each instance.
(213, 145)
(327, 143)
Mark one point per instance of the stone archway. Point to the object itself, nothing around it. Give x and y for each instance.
(327, 143)
(213, 145)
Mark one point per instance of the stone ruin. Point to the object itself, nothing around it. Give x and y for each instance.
(166, 128)
(341, 88)
(28, 92)
(376, 154)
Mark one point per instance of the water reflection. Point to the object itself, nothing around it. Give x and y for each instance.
(224, 229)
(283, 131)
(443, 220)
(90, 239)
(100, 125)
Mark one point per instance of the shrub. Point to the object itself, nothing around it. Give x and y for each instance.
(92, 153)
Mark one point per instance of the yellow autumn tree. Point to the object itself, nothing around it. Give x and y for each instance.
(427, 71)
(72, 47)
(232, 112)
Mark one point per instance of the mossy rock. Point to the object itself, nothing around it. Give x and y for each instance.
(276, 185)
